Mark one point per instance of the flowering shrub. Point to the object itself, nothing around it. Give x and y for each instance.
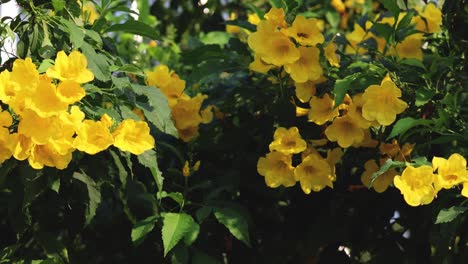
(177, 131)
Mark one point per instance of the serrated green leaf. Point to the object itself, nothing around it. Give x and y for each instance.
(383, 30)
(392, 6)
(135, 27)
(176, 196)
(142, 228)
(58, 5)
(94, 196)
(76, 33)
(150, 161)
(449, 214)
(404, 124)
(97, 63)
(341, 88)
(157, 109)
(120, 167)
(175, 227)
(234, 221)
(388, 165)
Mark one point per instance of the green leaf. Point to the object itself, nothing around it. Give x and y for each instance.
(94, 196)
(233, 220)
(392, 6)
(94, 36)
(58, 5)
(157, 110)
(341, 88)
(135, 27)
(142, 228)
(203, 213)
(404, 124)
(383, 30)
(200, 257)
(76, 33)
(175, 227)
(123, 174)
(243, 24)
(216, 37)
(176, 196)
(406, 20)
(192, 234)
(150, 161)
(97, 63)
(423, 96)
(449, 214)
(388, 165)
(129, 68)
(45, 64)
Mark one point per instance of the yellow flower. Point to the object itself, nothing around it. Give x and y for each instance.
(44, 155)
(277, 169)
(23, 147)
(330, 54)
(7, 144)
(5, 119)
(70, 92)
(380, 183)
(279, 50)
(314, 174)
(93, 137)
(307, 67)
(188, 133)
(196, 166)
(231, 28)
(70, 68)
(39, 129)
(25, 74)
(433, 17)
(253, 19)
(409, 48)
(304, 91)
(305, 31)
(89, 13)
(258, 39)
(45, 101)
(345, 131)
(168, 82)
(381, 103)
(321, 110)
(133, 136)
(367, 142)
(450, 172)
(186, 169)
(355, 111)
(288, 141)
(416, 185)
(186, 113)
(7, 88)
(333, 157)
(338, 5)
(359, 35)
(258, 65)
(276, 17)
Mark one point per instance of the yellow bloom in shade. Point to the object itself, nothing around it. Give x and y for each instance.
(279, 50)
(301, 111)
(381, 103)
(450, 172)
(409, 48)
(333, 157)
(44, 155)
(93, 137)
(231, 28)
(186, 169)
(355, 111)
(314, 174)
(70, 92)
(380, 183)
(186, 113)
(277, 169)
(433, 16)
(416, 185)
(330, 54)
(188, 133)
(307, 67)
(305, 90)
(107, 120)
(464, 191)
(70, 68)
(345, 131)
(367, 142)
(196, 166)
(305, 31)
(338, 5)
(133, 136)
(167, 81)
(276, 17)
(7, 144)
(258, 65)
(288, 141)
(321, 110)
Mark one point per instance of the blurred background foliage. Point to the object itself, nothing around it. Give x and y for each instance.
(43, 216)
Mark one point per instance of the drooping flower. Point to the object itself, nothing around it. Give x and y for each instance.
(307, 67)
(330, 54)
(288, 141)
(322, 110)
(133, 136)
(44, 155)
(70, 68)
(7, 144)
(450, 172)
(416, 185)
(168, 82)
(380, 183)
(277, 169)
(276, 17)
(314, 174)
(258, 65)
(345, 131)
(382, 103)
(305, 31)
(93, 137)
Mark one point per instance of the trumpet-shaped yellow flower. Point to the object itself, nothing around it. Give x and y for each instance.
(321, 110)
(5, 119)
(258, 65)
(7, 144)
(345, 131)
(305, 31)
(314, 174)
(355, 111)
(450, 172)
(288, 141)
(70, 92)
(276, 17)
(433, 16)
(93, 137)
(330, 54)
(305, 90)
(307, 67)
(89, 13)
(231, 28)
(168, 82)
(416, 185)
(409, 48)
(277, 169)
(380, 183)
(186, 113)
(24, 74)
(39, 129)
(382, 103)
(133, 136)
(23, 147)
(70, 68)
(45, 101)
(279, 50)
(44, 155)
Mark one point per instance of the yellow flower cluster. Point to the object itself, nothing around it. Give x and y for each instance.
(49, 127)
(428, 20)
(314, 172)
(420, 185)
(185, 110)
